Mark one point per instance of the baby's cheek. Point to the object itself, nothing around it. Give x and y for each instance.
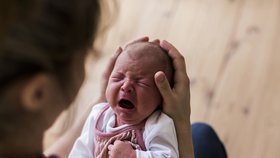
(157, 94)
(112, 93)
(107, 93)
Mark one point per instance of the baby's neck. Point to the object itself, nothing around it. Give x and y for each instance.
(120, 123)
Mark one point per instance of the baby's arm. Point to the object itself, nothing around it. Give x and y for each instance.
(84, 145)
(159, 137)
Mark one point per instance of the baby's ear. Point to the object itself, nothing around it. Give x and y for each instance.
(36, 91)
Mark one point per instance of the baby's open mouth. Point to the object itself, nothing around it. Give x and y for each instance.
(126, 104)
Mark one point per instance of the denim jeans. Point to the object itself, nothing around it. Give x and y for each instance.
(206, 142)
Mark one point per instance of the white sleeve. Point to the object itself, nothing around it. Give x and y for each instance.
(84, 145)
(159, 137)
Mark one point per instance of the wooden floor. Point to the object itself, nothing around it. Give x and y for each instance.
(232, 49)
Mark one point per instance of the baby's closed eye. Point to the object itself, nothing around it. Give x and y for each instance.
(143, 83)
(117, 77)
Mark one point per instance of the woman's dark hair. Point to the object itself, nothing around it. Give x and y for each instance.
(44, 35)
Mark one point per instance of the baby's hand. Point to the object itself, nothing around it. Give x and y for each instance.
(121, 149)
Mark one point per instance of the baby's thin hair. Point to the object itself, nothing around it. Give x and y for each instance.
(162, 57)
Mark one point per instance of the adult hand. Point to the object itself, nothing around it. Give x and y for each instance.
(121, 149)
(106, 74)
(176, 100)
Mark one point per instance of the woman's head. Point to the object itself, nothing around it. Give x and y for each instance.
(42, 51)
(49, 40)
(132, 92)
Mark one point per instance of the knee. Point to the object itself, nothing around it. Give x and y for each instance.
(206, 142)
(203, 131)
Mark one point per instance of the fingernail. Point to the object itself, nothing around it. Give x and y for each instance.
(119, 50)
(160, 78)
(166, 43)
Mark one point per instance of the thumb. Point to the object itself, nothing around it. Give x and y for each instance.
(163, 85)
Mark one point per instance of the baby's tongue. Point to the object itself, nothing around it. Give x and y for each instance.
(126, 104)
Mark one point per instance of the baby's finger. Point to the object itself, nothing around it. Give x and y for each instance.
(110, 147)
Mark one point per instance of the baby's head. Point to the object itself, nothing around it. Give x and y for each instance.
(152, 55)
(131, 91)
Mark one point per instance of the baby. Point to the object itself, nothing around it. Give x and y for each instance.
(132, 113)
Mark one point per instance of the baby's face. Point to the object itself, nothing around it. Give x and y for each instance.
(132, 92)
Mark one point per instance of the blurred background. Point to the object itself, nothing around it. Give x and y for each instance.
(232, 50)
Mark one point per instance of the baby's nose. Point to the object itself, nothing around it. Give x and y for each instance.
(127, 87)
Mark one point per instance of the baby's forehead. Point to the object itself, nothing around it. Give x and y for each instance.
(146, 54)
(140, 49)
